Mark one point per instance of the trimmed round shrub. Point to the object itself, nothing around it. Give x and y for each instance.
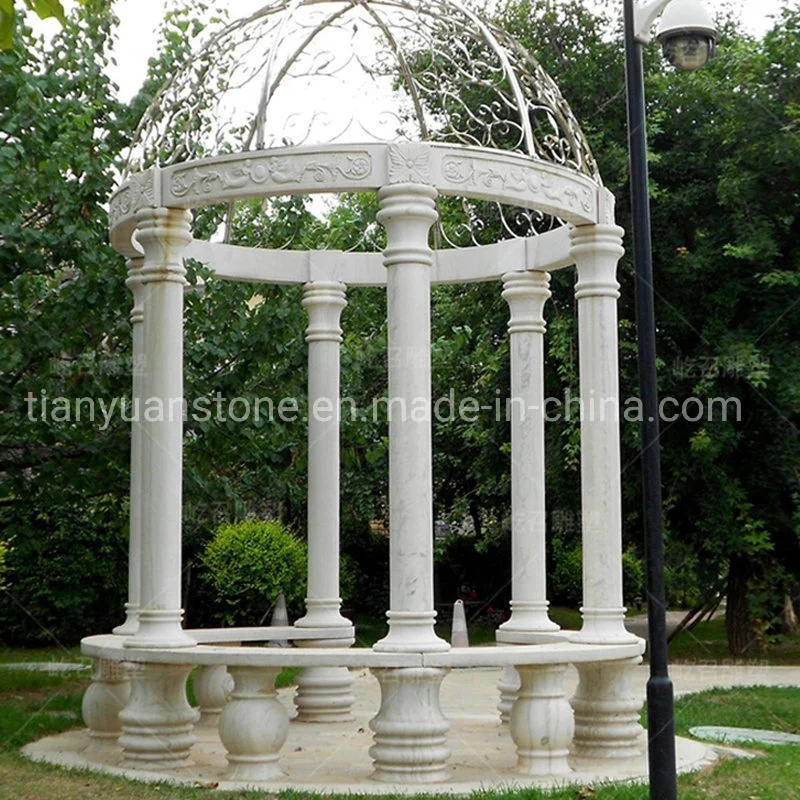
(249, 563)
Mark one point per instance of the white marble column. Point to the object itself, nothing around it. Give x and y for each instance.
(407, 211)
(526, 294)
(107, 695)
(157, 721)
(596, 250)
(323, 302)
(410, 741)
(607, 711)
(212, 688)
(508, 686)
(162, 233)
(253, 726)
(541, 723)
(324, 694)
(134, 283)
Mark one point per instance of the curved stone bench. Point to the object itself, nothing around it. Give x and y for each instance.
(273, 633)
(410, 731)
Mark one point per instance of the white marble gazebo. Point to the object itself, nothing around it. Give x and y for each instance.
(418, 102)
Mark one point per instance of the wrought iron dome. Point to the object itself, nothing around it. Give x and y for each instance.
(315, 72)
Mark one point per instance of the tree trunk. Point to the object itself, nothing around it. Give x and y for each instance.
(742, 636)
(475, 513)
(790, 623)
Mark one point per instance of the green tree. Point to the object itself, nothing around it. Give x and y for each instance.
(64, 481)
(727, 218)
(725, 163)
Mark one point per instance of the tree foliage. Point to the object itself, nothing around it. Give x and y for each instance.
(45, 9)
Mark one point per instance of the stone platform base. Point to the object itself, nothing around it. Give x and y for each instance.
(334, 757)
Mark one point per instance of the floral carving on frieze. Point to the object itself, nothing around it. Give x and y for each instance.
(273, 170)
(138, 192)
(409, 163)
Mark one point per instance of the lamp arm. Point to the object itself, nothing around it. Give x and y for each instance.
(645, 14)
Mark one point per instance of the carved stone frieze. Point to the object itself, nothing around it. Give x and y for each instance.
(410, 163)
(138, 192)
(467, 172)
(264, 171)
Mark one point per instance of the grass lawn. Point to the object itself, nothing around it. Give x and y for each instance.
(708, 643)
(34, 704)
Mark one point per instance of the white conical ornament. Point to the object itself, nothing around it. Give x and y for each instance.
(280, 619)
(459, 637)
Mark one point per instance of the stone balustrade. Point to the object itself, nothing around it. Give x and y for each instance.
(408, 746)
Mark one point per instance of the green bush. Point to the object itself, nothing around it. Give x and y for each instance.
(565, 579)
(633, 583)
(473, 569)
(66, 572)
(249, 563)
(365, 568)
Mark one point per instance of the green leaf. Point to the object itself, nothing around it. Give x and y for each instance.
(48, 8)
(6, 27)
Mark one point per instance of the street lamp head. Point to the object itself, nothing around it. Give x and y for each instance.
(687, 34)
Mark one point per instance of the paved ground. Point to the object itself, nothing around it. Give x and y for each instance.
(638, 625)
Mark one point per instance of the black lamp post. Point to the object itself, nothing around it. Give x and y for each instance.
(688, 39)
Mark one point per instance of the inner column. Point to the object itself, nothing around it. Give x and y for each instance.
(526, 294)
(135, 283)
(407, 211)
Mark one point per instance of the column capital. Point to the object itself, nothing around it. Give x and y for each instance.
(598, 238)
(526, 294)
(324, 302)
(163, 233)
(597, 249)
(407, 211)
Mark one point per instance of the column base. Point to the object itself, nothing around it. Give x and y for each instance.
(160, 630)
(603, 626)
(157, 722)
(411, 631)
(212, 687)
(410, 729)
(102, 702)
(324, 613)
(324, 694)
(131, 624)
(541, 723)
(253, 725)
(529, 617)
(508, 686)
(607, 712)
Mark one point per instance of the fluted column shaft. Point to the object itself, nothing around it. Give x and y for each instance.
(596, 250)
(407, 211)
(135, 284)
(162, 233)
(526, 294)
